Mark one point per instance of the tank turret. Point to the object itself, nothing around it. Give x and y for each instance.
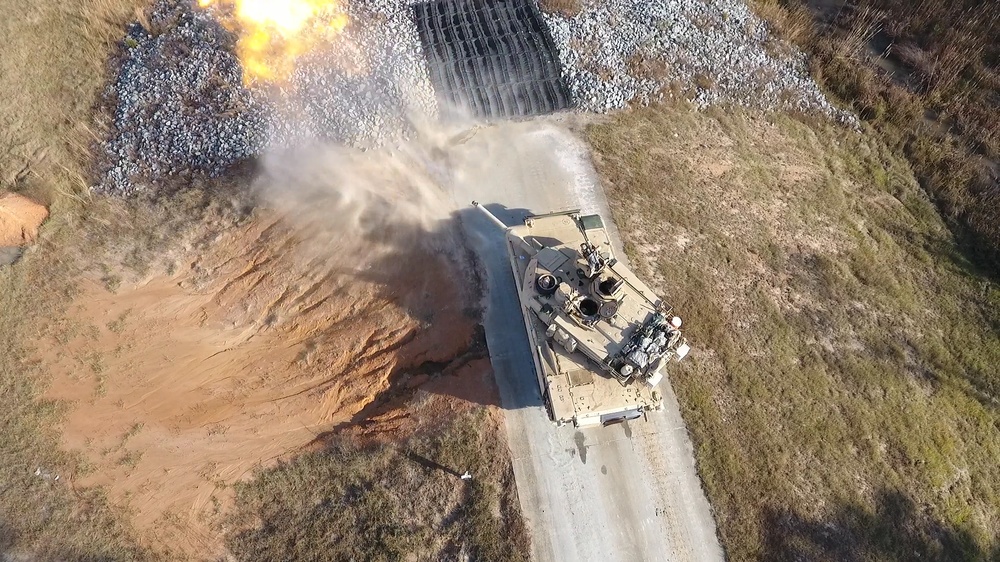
(594, 325)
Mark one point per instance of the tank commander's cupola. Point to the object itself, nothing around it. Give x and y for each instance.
(546, 283)
(607, 288)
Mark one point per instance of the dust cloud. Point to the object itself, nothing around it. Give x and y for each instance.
(275, 331)
(363, 205)
(406, 194)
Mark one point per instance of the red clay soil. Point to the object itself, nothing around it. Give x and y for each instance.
(20, 218)
(181, 384)
(426, 402)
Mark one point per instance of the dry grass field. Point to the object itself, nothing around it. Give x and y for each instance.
(844, 389)
(926, 77)
(391, 499)
(52, 66)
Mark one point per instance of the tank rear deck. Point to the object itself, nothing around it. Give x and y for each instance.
(577, 391)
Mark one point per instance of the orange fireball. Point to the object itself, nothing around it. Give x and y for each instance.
(274, 33)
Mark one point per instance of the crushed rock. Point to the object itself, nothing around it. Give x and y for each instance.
(618, 52)
(180, 106)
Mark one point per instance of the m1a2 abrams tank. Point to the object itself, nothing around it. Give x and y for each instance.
(601, 338)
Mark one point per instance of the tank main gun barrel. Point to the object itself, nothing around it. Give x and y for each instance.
(533, 246)
(492, 217)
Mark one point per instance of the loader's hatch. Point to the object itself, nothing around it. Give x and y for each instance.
(591, 222)
(551, 259)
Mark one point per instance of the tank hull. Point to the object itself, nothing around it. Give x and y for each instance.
(572, 357)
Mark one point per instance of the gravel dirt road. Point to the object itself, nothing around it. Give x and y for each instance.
(628, 492)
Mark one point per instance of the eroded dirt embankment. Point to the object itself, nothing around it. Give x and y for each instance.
(20, 218)
(256, 343)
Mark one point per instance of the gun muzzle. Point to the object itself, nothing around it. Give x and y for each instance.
(492, 217)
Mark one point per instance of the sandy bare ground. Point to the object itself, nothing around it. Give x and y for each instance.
(181, 384)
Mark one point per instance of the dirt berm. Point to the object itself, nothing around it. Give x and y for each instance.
(244, 350)
(20, 218)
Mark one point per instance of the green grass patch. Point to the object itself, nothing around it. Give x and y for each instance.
(843, 390)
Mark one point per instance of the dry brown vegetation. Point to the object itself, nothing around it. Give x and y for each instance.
(925, 76)
(52, 61)
(52, 65)
(402, 500)
(844, 389)
(565, 8)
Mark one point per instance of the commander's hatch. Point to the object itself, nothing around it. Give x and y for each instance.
(551, 259)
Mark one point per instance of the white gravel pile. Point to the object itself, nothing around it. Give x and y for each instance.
(372, 83)
(181, 108)
(179, 104)
(616, 52)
